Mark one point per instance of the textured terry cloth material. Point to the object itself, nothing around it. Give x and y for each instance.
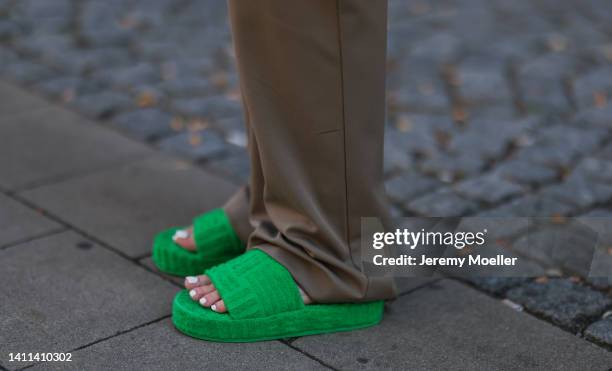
(215, 240)
(264, 303)
(312, 75)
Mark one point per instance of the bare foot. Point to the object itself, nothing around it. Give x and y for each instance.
(203, 290)
(184, 238)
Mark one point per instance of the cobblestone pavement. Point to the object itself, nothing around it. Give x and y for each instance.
(495, 108)
(76, 222)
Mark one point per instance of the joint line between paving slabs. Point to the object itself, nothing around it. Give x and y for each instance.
(16, 115)
(160, 275)
(66, 224)
(68, 227)
(50, 181)
(119, 333)
(309, 355)
(419, 287)
(100, 123)
(77, 230)
(34, 237)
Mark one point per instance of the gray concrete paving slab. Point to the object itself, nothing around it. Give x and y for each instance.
(126, 206)
(159, 346)
(18, 222)
(407, 284)
(447, 326)
(460, 74)
(15, 101)
(66, 292)
(65, 145)
(148, 262)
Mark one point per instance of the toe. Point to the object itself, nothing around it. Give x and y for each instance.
(196, 281)
(198, 292)
(210, 299)
(184, 238)
(219, 307)
(305, 298)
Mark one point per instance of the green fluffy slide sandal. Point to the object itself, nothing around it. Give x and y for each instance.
(263, 303)
(215, 240)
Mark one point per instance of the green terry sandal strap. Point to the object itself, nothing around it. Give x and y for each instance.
(216, 241)
(254, 285)
(214, 235)
(264, 303)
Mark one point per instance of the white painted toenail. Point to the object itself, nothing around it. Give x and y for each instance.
(213, 307)
(191, 279)
(203, 300)
(192, 293)
(180, 234)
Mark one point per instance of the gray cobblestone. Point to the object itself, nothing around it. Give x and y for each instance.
(594, 168)
(44, 46)
(9, 30)
(553, 156)
(26, 72)
(483, 60)
(532, 206)
(503, 112)
(403, 33)
(566, 246)
(594, 88)
(182, 68)
(600, 274)
(34, 9)
(419, 135)
(559, 145)
(7, 57)
(136, 75)
(442, 203)
(595, 117)
(460, 72)
(236, 166)
(66, 88)
(489, 188)
(448, 167)
(542, 83)
(567, 304)
(499, 134)
(575, 141)
(520, 48)
(437, 48)
(526, 172)
(195, 145)
(396, 155)
(599, 220)
(214, 108)
(579, 192)
(421, 94)
(187, 87)
(478, 87)
(81, 61)
(410, 185)
(497, 285)
(231, 125)
(146, 124)
(600, 331)
(100, 23)
(103, 104)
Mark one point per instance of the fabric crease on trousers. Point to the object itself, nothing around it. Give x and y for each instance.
(312, 75)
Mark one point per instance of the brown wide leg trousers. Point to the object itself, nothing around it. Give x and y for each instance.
(312, 77)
